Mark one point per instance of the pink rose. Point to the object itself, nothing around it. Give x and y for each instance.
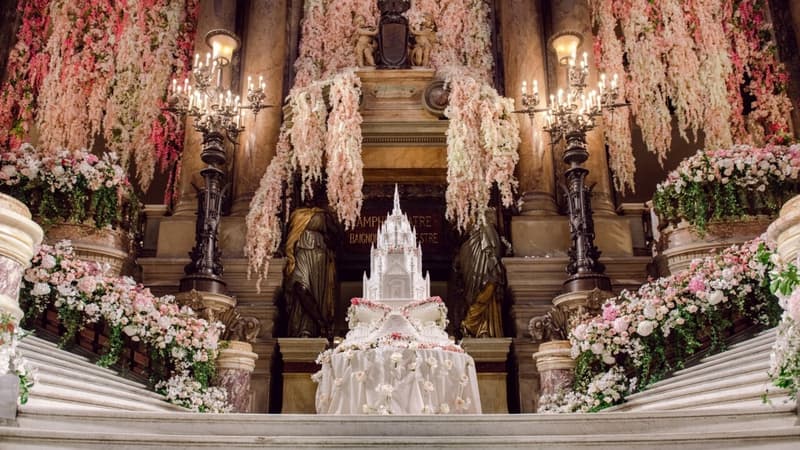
(87, 284)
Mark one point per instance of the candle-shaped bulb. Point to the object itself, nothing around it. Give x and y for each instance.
(208, 58)
(196, 59)
(524, 87)
(535, 87)
(249, 83)
(174, 84)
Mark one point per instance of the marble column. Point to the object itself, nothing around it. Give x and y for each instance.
(19, 235)
(575, 15)
(213, 14)
(556, 367)
(523, 48)
(264, 55)
(235, 365)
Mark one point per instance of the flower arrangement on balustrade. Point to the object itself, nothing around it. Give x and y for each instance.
(83, 294)
(11, 360)
(712, 63)
(785, 357)
(641, 336)
(70, 186)
(728, 183)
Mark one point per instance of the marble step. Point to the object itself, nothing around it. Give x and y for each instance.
(735, 428)
(736, 377)
(66, 381)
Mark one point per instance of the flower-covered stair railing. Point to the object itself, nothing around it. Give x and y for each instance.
(83, 293)
(642, 336)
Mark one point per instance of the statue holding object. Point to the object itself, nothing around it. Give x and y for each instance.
(364, 41)
(424, 39)
(310, 273)
(393, 35)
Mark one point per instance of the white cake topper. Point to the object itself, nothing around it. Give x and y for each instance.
(396, 262)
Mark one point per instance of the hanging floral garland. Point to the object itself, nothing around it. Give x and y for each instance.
(608, 53)
(482, 141)
(74, 92)
(696, 56)
(167, 132)
(146, 51)
(325, 61)
(26, 69)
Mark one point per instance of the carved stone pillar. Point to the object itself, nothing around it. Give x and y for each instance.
(524, 60)
(264, 54)
(575, 15)
(235, 365)
(19, 235)
(213, 14)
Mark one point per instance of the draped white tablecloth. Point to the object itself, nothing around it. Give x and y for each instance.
(391, 380)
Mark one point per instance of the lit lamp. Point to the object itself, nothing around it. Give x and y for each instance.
(566, 45)
(223, 43)
(569, 115)
(218, 115)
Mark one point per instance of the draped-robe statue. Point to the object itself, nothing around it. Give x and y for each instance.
(482, 280)
(310, 274)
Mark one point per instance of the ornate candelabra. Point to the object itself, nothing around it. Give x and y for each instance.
(218, 116)
(569, 116)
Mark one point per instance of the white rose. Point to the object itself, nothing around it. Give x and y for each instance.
(580, 332)
(716, 297)
(608, 359)
(597, 348)
(40, 289)
(645, 328)
(649, 311)
(444, 408)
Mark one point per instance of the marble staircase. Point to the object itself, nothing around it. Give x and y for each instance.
(736, 378)
(40, 427)
(69, 381)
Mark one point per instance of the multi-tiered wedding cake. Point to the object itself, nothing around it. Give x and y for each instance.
(396, 358)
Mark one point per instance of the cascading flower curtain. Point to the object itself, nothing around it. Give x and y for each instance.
(82, 70)
(696, 57)
(482, 140)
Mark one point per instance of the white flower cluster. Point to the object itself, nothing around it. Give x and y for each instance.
(11, 360)
(182, 389)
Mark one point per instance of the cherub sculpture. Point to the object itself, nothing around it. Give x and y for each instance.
(364, 40)
(424, 38)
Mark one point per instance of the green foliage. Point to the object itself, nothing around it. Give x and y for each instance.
(115, 345)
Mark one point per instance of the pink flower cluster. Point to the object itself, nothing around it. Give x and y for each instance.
(27, 66)
(63, 170)
(57, 277)
(742, 165)
(617, 335)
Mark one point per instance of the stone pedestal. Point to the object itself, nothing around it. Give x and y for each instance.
(683, 243)
(19, 235)
(491, 363)
(105, 246)
(235, 364)
(785, 231)
(299, 356)
(555, 365)
(213, 302)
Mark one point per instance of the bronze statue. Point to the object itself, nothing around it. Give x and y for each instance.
(483, 279)
(310, 273)
(364, 40)
(424, 38)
